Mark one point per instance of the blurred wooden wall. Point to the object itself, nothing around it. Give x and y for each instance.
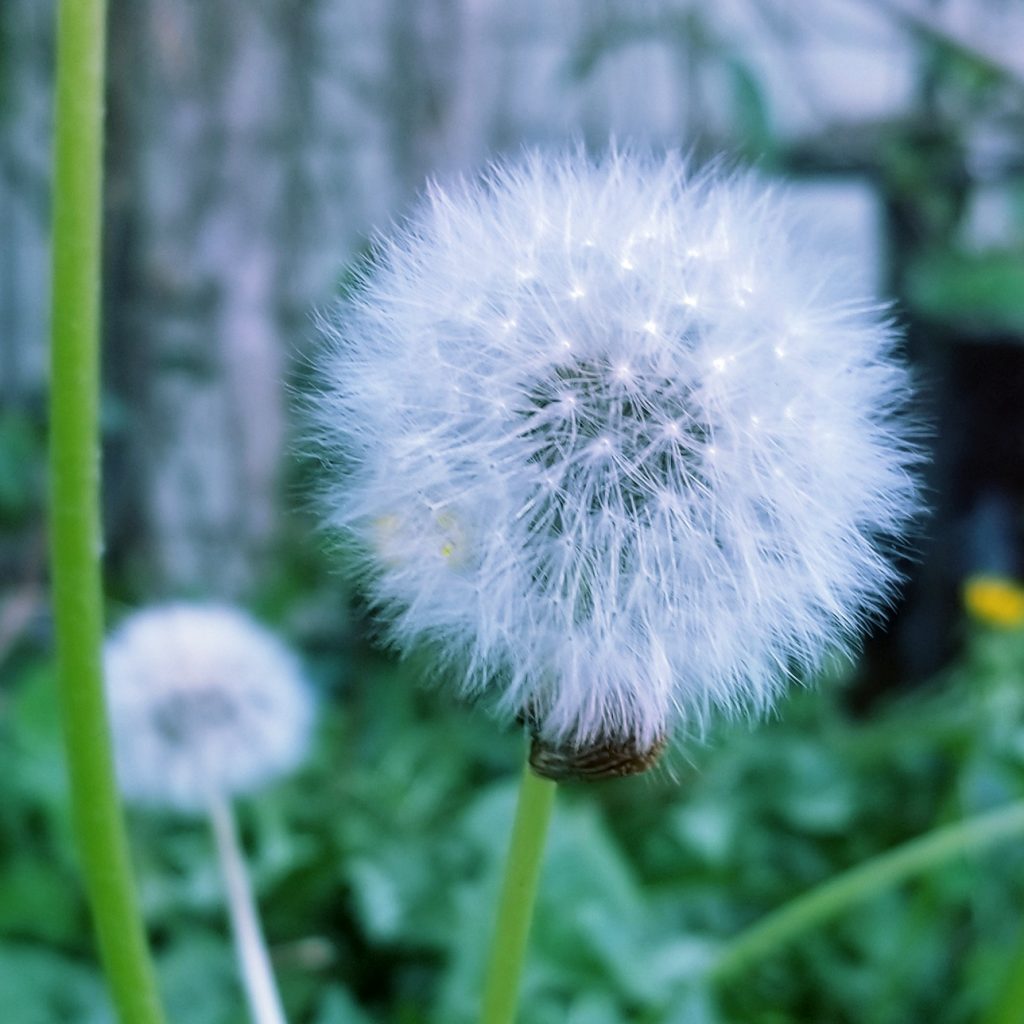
(254, 144)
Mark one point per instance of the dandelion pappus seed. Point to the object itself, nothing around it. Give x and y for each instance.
(204, 702)
(630, 595)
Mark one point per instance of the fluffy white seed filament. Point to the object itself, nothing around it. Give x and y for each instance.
(648, 526)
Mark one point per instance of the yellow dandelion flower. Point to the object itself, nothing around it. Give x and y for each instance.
(995, 601)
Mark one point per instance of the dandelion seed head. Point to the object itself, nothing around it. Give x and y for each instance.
(203, 702)
(645, 529)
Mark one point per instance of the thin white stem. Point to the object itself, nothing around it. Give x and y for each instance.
(250, 945)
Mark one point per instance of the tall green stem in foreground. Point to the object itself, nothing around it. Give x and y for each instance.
(518, 893)
(74, 507)
(864, 881)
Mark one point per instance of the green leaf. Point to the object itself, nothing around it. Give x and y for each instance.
(21, 455)
(751, 117)
(337, 1007)
(38, 986)
(976, 293)
(200, 982)
(39, 901)
(706, 828)
(377, 898)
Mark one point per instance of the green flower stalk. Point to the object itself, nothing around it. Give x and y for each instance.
(618, 443)
(518, 893)
(75, 510)
(864, 881)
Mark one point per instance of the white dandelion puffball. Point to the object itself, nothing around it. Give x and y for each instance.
(617, 442)
(204, 702)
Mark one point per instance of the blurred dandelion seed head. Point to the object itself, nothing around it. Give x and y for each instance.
(618, 442)
(203, 701)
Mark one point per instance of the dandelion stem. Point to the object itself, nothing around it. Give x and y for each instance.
(75, 509)
(518, 892)
(864, 881)
(250, 945)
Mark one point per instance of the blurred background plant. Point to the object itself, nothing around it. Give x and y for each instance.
(251, 148)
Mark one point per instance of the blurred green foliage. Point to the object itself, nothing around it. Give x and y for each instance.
(972, 291)
(21, 467)
(377, 865)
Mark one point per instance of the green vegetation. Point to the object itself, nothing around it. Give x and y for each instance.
(378, 865)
